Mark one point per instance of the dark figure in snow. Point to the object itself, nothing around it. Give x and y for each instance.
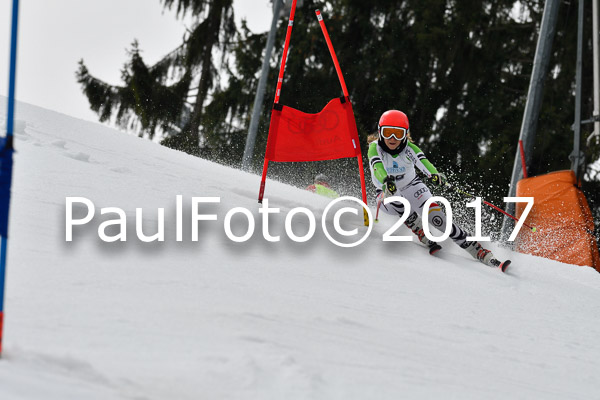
(321, 186)
(393, 158)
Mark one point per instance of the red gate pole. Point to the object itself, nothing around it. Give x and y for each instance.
(285, 51)
(278, 91)
(347, 96)
(363, 188)
(261, 192)
(332, 52)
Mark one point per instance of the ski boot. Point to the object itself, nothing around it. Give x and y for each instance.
(484, 255)
(414, 224)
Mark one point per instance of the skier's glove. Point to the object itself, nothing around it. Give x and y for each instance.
(389, 186)
(438, 179)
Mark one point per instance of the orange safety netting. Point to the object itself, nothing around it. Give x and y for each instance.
(562, 216)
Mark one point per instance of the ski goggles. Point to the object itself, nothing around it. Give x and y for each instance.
(388, 132)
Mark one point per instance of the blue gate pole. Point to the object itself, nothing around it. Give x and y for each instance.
(6, 162)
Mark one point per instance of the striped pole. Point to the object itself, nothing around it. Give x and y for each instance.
(286, 46)
(6, 160)
(347, 96)
(332, 52)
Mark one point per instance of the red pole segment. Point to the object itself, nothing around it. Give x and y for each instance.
(278, 91)
(507, 214)
(362, 178)
(333, 56)
(523, 159)
(487, 203)
(261, 192)
(285, 51)
(345, 91)
(362, 185)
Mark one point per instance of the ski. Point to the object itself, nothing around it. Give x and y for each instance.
(502, 265)
(434, 248)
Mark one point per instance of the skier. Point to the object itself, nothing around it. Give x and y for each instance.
(392, 159)
(321, 186)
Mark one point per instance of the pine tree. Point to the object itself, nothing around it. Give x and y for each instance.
(227, 115)
(156, 96)
(460, 69)
(145, 95)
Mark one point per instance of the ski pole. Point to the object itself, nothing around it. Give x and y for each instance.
(460, 191)
(379, 201)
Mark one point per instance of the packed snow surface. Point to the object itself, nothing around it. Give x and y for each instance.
(217, 319)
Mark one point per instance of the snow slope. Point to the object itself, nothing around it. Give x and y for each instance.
(217, 319)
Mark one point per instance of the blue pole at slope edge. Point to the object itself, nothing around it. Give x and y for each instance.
(13, 71)
(6, 162)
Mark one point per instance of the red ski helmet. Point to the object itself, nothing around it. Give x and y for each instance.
(393, 123)
(393, 118)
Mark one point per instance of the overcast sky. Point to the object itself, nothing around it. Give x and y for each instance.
(54, 35)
